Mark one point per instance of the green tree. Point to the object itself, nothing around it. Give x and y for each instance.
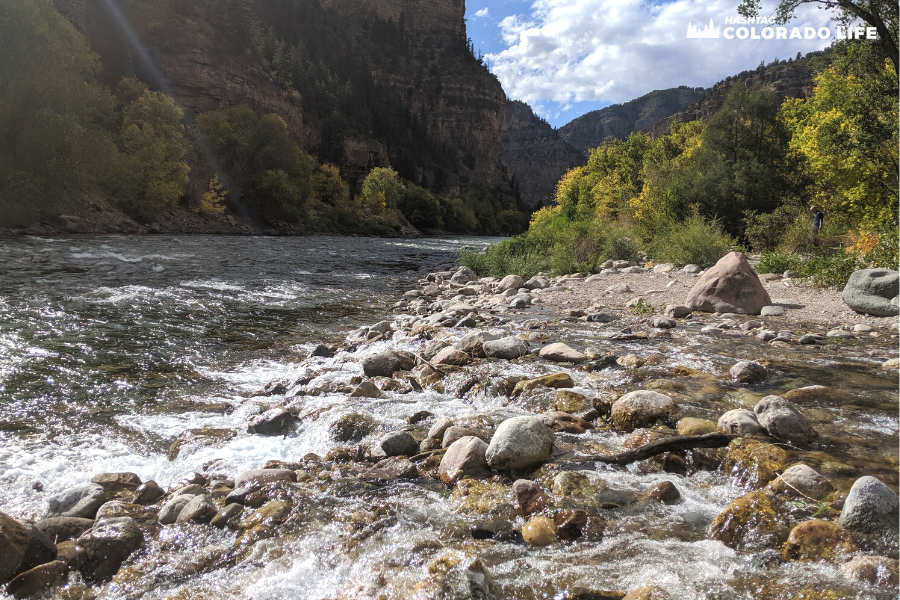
(382, 190)
(152, 171)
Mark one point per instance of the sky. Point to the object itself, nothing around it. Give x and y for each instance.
(569, 57)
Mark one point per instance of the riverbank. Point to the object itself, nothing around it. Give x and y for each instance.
(409, 459)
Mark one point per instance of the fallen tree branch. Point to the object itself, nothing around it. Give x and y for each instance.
(681, 442)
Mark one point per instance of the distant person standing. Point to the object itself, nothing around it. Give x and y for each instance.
(818, 221)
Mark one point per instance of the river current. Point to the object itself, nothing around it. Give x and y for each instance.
(111, 347)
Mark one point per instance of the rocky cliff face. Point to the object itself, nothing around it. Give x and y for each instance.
(616, 122)
(534, 153)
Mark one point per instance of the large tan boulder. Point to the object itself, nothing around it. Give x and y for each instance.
(730, 286)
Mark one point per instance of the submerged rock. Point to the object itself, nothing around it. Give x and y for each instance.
(874, 570)
(641, 409)
(274, 421)
(351, 428)
(817, 540)
(39, 579)
(528, 497)
(753, 522)
(519, 443)
(752, 463)
(554, 380)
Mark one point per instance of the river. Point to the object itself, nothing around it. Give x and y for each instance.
(111, 347)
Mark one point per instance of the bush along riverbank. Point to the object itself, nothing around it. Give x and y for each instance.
(490, 422)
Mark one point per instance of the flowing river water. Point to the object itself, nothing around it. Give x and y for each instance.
(112, 347)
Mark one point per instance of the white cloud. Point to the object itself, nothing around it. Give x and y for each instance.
(568, 51)
(484, 12)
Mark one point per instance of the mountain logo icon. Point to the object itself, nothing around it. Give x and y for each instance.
(708, 32)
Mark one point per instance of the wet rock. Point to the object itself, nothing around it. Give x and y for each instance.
(766, 336)
(464, 275)
(440, 426)
(81, 501)
(192, 478)
(641, 409)
(562, 353)
(199, 510)
(874, 570)
(169, 512)
(189, 490)
(237, 496)
(871, 508)
(473, 343)
(38, 579)
(730, 286)
(803, 480)
(466, 577)
(569, 484)
(554, 380)
(748, 372)
(692, 426)
(117, 508)
(257, 478)
(399, 443)
(507, 348)
(14, 542)
(482, 497)
(575, 524)
(510, 282)
(601, 317)
(385, 364)
(455, 433)
(366, 389)
(275, 421)
(649, 592)
(418, 417)
(391, 469)
(753, 522)
(147, 493)
(59, 529)
(322, 351)
(41, 549)
(565, 423)
(569, 402)
(677, 312)
(106, 546)
(817, 540)
(752, 463)
(519, 443)
(426, 375)
(873, 292)
(539, 531)
(809, 339)
(740, 422)
(464, 457)
(783, 421)
(351, 428)
(815, 394)
(202, 436)
(662, 323)
(70, 553)
(116, 483)
(451, 357)
(230, 514)
(664, 492)
(273, 512)
(528, 497)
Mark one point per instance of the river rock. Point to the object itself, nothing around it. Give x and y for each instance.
(257, 478)
(38, 579)
(352, 427)
(815, 394)
(561, 353)
(752, 463)
(426, 375)
(641, 409)
(772, 311)
(519, 443)
(648, 592)
(569, 484)
(871, 508)
(510, 282)
(169, 512)
(675, 311)
(107, 545)
(59, 529)
(385, 364)
(662, 323)
(537, 283)
(274, 421)
(366, 389)
(873, 292)
(730, 286)
(15, 540)
(816, 540)
(147, 493)
(619, 288)
(115, 483)
(230, 514)
(802, 479)
(553, 380)
(568, 401)
(436, 432)
(783, 421)
(565, 423)
(528, 497)
(506, 348)
(664, 492)
(539, 531)
(753, 522)
(399, 443)
(693, 426)
(81, 501)
(464, 457)
(748, 372)
(464, 275)
(473, 343)
(199, 510)
(874, 570)
(432, 349)
(455, 433)
(392, 468)
(451, 357)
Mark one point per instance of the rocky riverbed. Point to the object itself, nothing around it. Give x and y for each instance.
(481, 443)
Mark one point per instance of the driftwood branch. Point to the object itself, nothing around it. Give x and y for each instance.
(682, 442)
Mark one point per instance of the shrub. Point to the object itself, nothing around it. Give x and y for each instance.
(694, 241)
(779, 261)
(507, 257)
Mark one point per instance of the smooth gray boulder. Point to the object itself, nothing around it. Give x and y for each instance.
(730, 286)
(519, 443)
(464, 275)
(106, 546)
(560, 352)
(510, 282)
(782, 420)
(873, 292)
(871, 508)
(473, 343)
(81, 501)
(740, 422)
(385, 364)
(169, 512)
(641, 408)
(802, 479)
(440, 426)
(399, 443)
(748, 372)
(507, 348)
